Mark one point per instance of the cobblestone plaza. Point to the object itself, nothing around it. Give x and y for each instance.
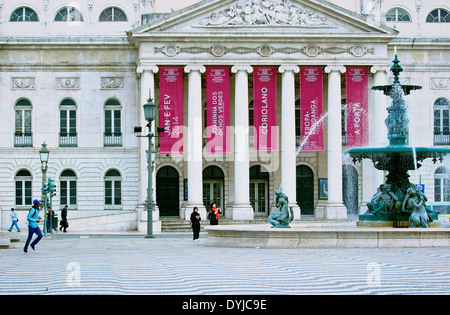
(67, 264)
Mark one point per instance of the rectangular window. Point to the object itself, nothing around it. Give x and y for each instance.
(113, 128)
(108, 192)
(67, 127)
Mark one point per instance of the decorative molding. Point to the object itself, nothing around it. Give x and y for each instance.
(69, 83)
(439, 83)
(23, 83)
(264, 50)
(112, 83)
(263, 13)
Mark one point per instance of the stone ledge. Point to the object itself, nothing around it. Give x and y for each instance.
(263, 236)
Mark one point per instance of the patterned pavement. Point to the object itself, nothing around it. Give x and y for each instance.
(66, 264)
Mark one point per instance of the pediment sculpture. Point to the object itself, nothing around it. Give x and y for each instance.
(263, 13)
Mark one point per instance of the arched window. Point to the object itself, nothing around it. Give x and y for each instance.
(438, 16)
(113, 188)
(67, 123)
(398, 15)
(24, 14)
(113, 122)
(69, 14)
(442, 184)
(22, 123)
(441, 121)
(22, 183)
(113, 14)
(68, 188)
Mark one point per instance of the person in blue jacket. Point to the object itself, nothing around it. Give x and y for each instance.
(14, 220)
(33, 227)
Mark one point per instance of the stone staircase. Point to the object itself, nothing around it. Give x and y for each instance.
(7, 239)
(175, 224)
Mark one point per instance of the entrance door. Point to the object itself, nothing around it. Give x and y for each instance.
(258, 197)
(305, 190)
(167, 191)
(259, 190)
(213, 180)
(212, 192)
(350, 188)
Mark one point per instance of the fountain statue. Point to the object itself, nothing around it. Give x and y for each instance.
(282, 218)
(397, 199)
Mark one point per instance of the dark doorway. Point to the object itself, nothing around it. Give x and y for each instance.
(167, 191)
(305, 190)
(259, 187)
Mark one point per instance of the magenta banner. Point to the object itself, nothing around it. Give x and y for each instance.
(265, 108)
(217, 109)
(357, 79)
(171, 109)
(311, 108)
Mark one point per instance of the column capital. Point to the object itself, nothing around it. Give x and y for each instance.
(284, 68)
(146, 67)
(329, 69)
(199, 68)
(237, 68)
(375, 69)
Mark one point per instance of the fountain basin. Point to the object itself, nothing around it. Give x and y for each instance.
(383, 157)
(263, 236)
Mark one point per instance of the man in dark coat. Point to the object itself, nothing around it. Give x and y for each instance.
(195, 223)
(64, 224)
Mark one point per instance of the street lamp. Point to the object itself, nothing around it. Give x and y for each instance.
(43, 155)
(150, 114)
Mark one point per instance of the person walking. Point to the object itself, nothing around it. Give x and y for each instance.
(214, 214)
(195, 223)
(14, 220)
(64, 224)
(50, 220)
(33, 227)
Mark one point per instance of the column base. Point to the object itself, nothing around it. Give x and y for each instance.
(297, 211)
(335, 211)
(330, 211)
(241, 211)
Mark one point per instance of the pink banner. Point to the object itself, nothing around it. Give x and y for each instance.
(217, 109)
(357, 106)
(265, 108)
(311, 108)
(171, 109)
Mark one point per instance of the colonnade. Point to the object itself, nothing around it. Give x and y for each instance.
(239, 208)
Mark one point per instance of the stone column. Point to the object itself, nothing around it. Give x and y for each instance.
(241, 208)
(194, 141)
(146, 74)
(288, 147)
(373, 178)
(335, 208)
(380, 102)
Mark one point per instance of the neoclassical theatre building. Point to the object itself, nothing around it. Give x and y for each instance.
(253, 96)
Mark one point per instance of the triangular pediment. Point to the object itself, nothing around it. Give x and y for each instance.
(268, 16)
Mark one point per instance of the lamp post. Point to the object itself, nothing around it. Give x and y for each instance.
(43, 155)
(150, 114)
